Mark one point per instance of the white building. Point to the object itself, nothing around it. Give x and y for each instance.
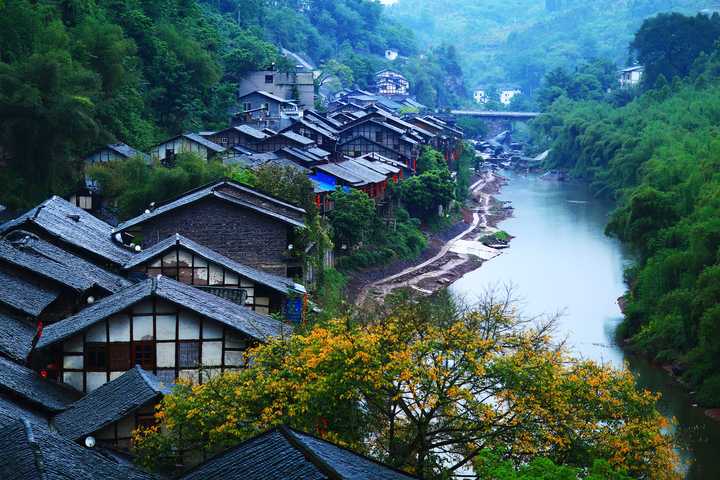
(480, 96)
(507, 94)
(631, 76)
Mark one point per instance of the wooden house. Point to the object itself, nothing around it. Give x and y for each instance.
(32, 450)
(166, 151)
(357, 174)
(238, 222)
(181, 259)
(324, 135)
(286, 138)
(110, 413)
(71, 228)
(370, 134)
(263, 109)
(168, 328)
(40, 289)
(237, 135)
(114, 152)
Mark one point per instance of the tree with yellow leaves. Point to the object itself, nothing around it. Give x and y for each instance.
(427, 386)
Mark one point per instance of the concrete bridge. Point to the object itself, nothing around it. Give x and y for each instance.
(497, 121)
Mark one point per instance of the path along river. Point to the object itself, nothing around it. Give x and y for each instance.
(561, 261)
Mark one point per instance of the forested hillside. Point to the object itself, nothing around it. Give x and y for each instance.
(659, 155)
(518, 41)
(77, 74)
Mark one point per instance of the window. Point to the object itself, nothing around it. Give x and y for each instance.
(145, 420)
(188, 354)
(84, 202)
(269, 79)
(224, 140)
(378, 136)
(95, 357)
(247, 106)
(144, 355)
(119, 354)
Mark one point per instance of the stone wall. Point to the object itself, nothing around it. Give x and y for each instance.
(244, 235)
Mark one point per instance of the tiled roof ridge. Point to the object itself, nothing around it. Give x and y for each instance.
(314, 458)
(35, 448)
(287, 430)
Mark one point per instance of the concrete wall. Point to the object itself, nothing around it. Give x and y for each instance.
(282, 85)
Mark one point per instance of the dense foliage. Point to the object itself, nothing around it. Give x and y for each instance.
(76, 75)
(660, 157)
(519, 41)
(428, 386)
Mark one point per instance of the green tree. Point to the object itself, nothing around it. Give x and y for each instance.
(423, 194)
(669, 43)
(352, 217)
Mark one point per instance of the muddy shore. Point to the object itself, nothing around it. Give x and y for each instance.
(438, 266)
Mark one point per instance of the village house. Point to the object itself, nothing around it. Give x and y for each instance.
(238, 222)
(362, 174)
(324, 135)
(237, 135)
(71, 228)
(38, 289)
(297, 86)
(188, 262)
(286, 138)
(508, 93)
(31, 450)
(114, 152)
(168, 328)
(110, 413)
(631, 76)
(391, 82)
(166, 151)
(373, 133)
(265, 110)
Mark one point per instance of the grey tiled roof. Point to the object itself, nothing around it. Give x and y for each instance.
(339, 172)
(33, 452)
(44, 267)
(98, 276)
(380, 167)
(204, 142)
(287, 454)
(212, 190)
(109, 403)
(12, 410)
(16, 337)
(276, 282)
(251, 132)
(297, 138)
(255, 325)
(29, 385)
(25, 296)
(72, 225)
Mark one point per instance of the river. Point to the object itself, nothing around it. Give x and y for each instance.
(561, 262)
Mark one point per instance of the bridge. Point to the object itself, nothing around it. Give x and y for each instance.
(497, 121)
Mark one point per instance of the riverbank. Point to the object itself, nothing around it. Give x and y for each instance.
(451, 253)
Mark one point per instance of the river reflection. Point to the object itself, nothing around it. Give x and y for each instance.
(561, 262)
